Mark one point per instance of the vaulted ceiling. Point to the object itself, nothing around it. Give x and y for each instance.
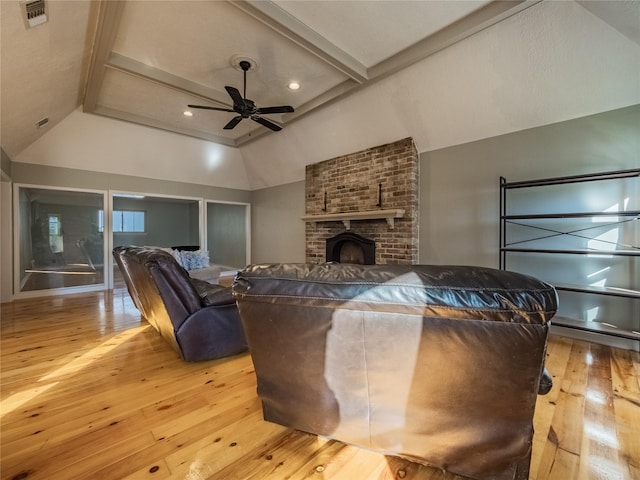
(185, 52)
(145, 61)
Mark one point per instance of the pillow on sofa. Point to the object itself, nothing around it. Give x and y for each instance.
(192, 260)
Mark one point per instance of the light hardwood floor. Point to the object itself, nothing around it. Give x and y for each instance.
(89, 391)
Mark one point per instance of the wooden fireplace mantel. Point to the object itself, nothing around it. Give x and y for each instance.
(348, 217)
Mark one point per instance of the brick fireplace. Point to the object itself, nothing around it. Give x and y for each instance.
(373, 193)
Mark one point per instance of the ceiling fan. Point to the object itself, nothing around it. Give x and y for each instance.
(246, 108)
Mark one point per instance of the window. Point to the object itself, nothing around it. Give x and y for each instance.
(124, 221)
(54, 225)
(128, 221)
(55, 234)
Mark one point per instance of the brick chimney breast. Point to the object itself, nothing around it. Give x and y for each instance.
(378, 178)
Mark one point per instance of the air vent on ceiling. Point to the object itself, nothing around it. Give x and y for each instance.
(34, 12)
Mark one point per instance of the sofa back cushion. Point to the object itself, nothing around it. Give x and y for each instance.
(163, 288)
(129, 267)
(144, 291)
(178, 294)
(447, 291)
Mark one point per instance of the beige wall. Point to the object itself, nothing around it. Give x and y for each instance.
(459, 203)
(278, 234)
(6, 252)
(83, 141)
(74, 178)
(459, 186)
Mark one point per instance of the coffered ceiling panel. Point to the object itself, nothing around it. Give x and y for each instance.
(155, 104)
(369, 32)
(198, 41)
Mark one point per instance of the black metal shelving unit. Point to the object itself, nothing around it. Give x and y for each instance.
(536, 221)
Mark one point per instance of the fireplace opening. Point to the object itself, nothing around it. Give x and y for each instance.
(349, 247)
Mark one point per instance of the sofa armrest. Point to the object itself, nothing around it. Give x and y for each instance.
(203, 287)
(213, 294)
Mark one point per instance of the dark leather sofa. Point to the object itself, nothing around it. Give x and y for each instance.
(440, 365)
(198, 319)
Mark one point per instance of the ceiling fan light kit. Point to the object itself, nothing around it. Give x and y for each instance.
(244, 107)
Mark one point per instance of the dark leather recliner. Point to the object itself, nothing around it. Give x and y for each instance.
(199, 320)
(440, 365)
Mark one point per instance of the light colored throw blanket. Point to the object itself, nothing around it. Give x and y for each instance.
(211, 273)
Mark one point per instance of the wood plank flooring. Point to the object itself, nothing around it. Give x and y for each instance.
(89, 391)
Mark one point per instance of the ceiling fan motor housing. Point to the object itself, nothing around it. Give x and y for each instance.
(244, 107)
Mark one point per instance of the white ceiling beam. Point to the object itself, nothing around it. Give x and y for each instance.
(141, 70)
(325, 98)
(150, 122)
(625, 17)
(107, 31)
(293, 29)
(471, 24)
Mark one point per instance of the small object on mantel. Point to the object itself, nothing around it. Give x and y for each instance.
(346, 218)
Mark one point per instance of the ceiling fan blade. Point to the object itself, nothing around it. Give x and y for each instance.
(205, 107)
(266, 123)
(281, 109)
(235, 95)
(234, 121)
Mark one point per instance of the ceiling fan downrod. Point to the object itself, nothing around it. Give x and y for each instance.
(245, 66)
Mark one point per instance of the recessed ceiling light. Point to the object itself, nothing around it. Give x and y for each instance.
(294, 86)
(187, 113)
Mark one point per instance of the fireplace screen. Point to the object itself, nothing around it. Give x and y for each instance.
(348, 247)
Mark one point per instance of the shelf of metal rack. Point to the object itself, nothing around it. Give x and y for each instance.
(543, 232)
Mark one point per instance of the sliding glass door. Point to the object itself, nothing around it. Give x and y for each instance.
(152, 220)
(60, 244)
(148, 220)
(228, 238)
(65, 236)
